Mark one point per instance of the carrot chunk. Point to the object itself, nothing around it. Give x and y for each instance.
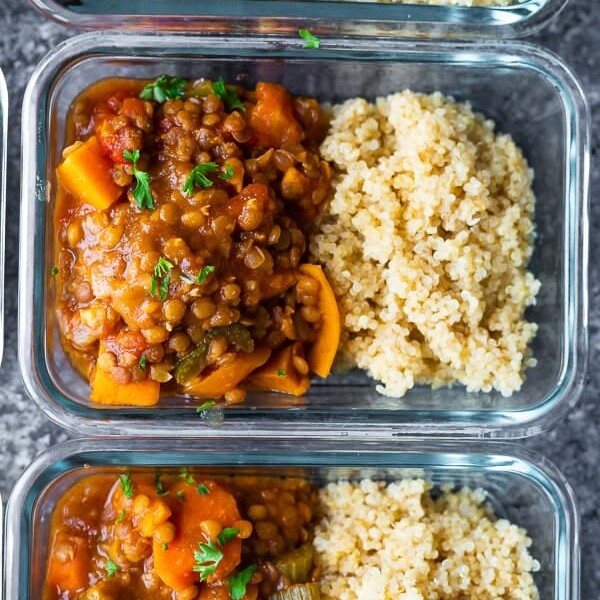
(85, 174)
(279, 375)
(69, 563)
(223, 379)
(272, 118)
(175, 564)
(323, 351)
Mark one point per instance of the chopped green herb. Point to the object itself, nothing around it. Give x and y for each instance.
(54, 271)
(204, 273)
(180, 495)
(160, 488)
(198, 177)
(227, 534)
(111, 568)
(141, 192)
(203, 490)
(310, 40)
(165, 546)
(143, 362)
(121, 516)
(126, 485)
(281, 372)
(164, 88)
(201, 277)
(207, 559)
(228, 96)
(186, 477)
(206, 406)
(227, 174)
(162, 275)
(239, 581)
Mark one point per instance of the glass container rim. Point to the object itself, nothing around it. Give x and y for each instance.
(523, 18)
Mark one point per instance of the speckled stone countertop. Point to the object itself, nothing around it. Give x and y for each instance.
(574, 446)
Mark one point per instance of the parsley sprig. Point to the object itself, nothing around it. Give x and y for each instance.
(226, 535)
(207, 559)
(164, 88)
(199, 177)
(111, 567)
(310, 39)
(160, 488)
(126, 485)
(239, 581)
(228, 96)
(201, 277)
(161, 278)
(141, 192)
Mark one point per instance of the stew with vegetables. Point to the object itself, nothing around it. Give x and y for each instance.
(183, 536)
(182, 216)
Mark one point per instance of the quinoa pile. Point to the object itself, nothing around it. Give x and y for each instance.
(426, 243)
(387, 542)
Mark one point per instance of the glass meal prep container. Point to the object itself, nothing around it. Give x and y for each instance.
(521, 18)
(524, 488)
(530, 94)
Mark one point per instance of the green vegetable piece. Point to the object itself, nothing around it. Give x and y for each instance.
(160, 488)
(199, 177)
(310, 40)
(203, 490)
(161, 278)
(226, 535)
(164, 88)
(297, 564)
(193, 363)
(143, 362)
(227, 173)
(111, 568)
(207, 559)
(141, 192)
(121, 516)
(281, 373)
(228, 96)
(239, 581)
(126, 485)
(205, 406)
(300, 591)
(54, 271)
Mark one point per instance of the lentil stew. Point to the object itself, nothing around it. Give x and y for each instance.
(182, 214)
(180, 536)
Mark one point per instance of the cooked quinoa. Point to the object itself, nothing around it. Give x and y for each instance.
(426, 243)
(391, 542)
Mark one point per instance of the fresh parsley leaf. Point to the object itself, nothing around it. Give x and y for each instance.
(121, 516)
(239, 581)
(161, 276)
(201, 277)
(189, 479)
(207, 559)
(143, 363)
(54, 271)
(164, 88)
(206, 406)
(203, 490)
(180, 495)
(165, 546)
(126, 485)
(160, 488)
(228, 96)
(141, 192)
(204, 273)
(198, 177)
(227, 534)
(310, 40)
(281, 372)
(111, 568)
(227, 174)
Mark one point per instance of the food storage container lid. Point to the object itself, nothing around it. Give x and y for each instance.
(521, 485)
(369, 18)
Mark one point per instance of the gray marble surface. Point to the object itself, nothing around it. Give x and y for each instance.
(574, 445)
